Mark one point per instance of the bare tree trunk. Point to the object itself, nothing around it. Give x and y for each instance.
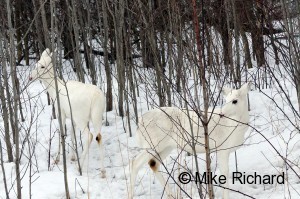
(171, 70)
(17, 24)
(179, 59)
(4, 108)
(156, 56)
(68, 33)
(119, 24)
(130, 70)
(237, 45)
(77, 58)
(61, 126)
(26, 49)
(163, 64)
(8, 95)
(86, 38)
(224, 30)
(17, 82)
(62, 135)
(37, 23)
(45, 24)
(109, 96)
(246, 49)
(151, 56)
(3, 172)
(227, 15)
(204, 119)
(293, 47)
(128, 112)
(15, 97)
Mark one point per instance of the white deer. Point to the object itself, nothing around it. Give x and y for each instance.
(87, 103)
(162, 130)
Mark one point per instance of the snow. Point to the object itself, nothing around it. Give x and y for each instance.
(256, 155)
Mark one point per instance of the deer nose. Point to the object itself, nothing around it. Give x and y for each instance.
(30, 78)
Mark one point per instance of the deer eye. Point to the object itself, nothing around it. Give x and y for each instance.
(234, 101)
(42, 66)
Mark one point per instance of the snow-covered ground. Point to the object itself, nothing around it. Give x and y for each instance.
(47, 181)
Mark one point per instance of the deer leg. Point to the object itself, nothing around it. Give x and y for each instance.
(154, 164)
(97, 123)
(164, 183)
(63, 120)
(73, 157)
(57, 159)
(101, 149)
(135, 166)
(88, 139)
(223, 162)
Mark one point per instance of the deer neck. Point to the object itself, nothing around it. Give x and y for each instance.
(49, 82)
(245, 114)
(242, 118)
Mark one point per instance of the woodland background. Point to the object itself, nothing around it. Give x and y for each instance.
(161, 43)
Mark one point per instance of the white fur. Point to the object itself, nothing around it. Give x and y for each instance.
(87, 104)
(162, 130)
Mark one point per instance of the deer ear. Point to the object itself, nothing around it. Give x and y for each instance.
(245, 88)
(226, 90)
(46, 53)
